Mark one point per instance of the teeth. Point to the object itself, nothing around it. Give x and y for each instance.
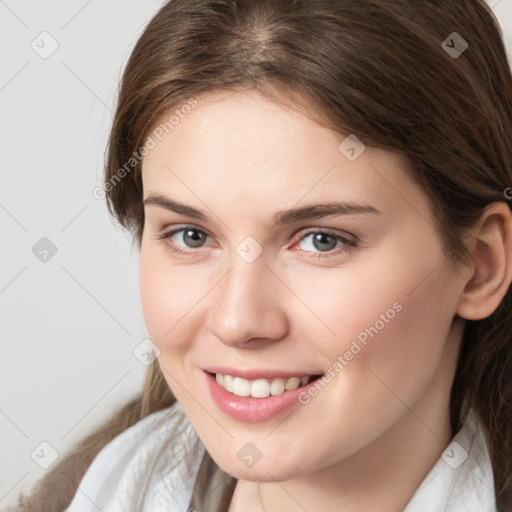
(241, 387)
(260, 388)
(228, 383)
(292, 384)
(277, 386)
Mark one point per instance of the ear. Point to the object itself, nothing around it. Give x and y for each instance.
(491, 255)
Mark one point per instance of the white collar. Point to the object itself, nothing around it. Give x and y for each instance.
(153, 465)
(461, 480)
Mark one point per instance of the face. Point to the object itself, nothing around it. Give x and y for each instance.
(355, 290)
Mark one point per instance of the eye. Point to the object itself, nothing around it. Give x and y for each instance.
(185, 239)
(324, 242)
(190, 237)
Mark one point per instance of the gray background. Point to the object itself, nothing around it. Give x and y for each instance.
(72, 320)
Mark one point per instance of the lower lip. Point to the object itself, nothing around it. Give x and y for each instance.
(253, 409)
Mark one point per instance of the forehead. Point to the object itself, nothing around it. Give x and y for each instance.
(242, 146)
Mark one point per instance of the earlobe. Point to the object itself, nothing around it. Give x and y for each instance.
(491, 256)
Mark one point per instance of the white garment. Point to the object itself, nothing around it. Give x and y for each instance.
(141, 470)
(461, 479)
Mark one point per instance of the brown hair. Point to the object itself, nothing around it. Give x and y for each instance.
(374, 68)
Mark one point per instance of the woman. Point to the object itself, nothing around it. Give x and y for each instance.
(319, 193)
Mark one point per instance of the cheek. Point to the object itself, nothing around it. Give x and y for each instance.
(400, 358)
(167, 302)
(391, 325)
(166, 297)
(408, 350)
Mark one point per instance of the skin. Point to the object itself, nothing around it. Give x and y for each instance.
(371, 435)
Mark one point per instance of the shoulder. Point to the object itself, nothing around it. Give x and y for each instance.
(153, 463)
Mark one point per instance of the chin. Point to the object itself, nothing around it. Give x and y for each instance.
(268, 470)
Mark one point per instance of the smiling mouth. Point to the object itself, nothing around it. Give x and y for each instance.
(261, 388)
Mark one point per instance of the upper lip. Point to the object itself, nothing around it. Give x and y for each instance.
(253, 374)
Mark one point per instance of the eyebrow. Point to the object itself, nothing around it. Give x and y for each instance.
(312, 211)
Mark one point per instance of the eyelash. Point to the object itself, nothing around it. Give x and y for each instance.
(349, 244)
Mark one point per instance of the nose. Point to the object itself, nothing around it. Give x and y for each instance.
(249, 305)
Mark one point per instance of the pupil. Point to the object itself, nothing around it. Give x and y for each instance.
(195, 237)
(323, 238)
